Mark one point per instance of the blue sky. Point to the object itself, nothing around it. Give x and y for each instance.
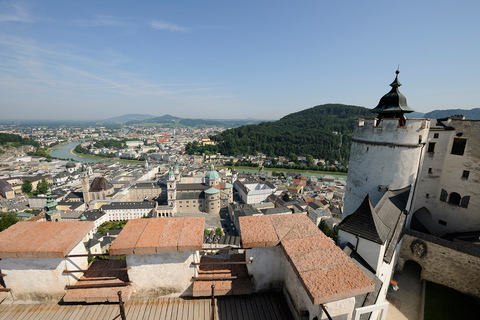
(232, 59)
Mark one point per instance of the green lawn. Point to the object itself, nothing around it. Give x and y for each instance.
(443, 303)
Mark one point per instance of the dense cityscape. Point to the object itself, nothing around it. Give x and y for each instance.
(219, 160)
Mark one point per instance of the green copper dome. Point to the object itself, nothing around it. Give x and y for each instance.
(212, 191)
(212, 174)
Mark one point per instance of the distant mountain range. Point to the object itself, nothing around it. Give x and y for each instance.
(175, 121)
(128, 117)
(414, 115)
(473, 114)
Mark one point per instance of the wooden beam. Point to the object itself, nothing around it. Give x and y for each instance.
(220, 248)
(219, 263)
(219, 278)
(87, 255)
(5, 290)
(98, 285)
(3, 275)
(96, 270)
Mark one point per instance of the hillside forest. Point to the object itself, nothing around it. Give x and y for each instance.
(323, 132)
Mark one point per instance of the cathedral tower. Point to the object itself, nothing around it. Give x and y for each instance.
(171, 188)
(85, 185)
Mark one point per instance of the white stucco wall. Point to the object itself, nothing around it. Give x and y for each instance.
(161, 274)
(271, 270)
(386, 155)
(267, 267)
(370, 251)
(445, 172)
(42, 279)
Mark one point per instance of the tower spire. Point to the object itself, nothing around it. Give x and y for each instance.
(393, 104)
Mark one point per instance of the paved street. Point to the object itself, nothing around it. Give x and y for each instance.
(405, 303)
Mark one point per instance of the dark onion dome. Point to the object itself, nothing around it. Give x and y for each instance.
(100, 184)
(394, 101)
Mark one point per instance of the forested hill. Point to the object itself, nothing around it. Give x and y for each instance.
(323, 131)
(8, 139)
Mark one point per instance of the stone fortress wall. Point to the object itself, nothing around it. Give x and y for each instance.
(452, 264)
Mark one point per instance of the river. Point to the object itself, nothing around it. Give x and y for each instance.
(64, 152)
(305, 174)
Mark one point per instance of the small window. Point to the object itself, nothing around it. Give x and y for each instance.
(435, 135)
(430, 170)
(427, 195)
(431, 147)
(458, 146)
(465, 174)
(443, 223)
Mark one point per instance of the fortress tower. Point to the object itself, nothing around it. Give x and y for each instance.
(386, 151)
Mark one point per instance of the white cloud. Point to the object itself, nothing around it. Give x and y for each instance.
(162, 25)
(105, 21)
(15, 12)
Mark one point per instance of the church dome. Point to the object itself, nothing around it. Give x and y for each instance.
(70, 165)
(212, 174)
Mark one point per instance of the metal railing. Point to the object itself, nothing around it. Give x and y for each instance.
(121, 305)
(212, 312)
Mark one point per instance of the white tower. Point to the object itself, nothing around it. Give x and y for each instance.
(85, 186)
(386, 151)
(171, 189)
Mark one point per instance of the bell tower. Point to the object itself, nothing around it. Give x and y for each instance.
(85, 185)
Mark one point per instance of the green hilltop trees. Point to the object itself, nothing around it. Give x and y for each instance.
(324, 132)
(27, 186)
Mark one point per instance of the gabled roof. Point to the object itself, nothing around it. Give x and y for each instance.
(366, 223)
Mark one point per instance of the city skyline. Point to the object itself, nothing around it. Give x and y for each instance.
(220, 60)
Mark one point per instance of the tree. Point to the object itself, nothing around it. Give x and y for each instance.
(27, 186)
(286, 197)
(218, 231)
(42, 186)
(309, 160)
(293, 157)
(8, 219)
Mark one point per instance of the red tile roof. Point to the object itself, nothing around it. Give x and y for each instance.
(42, 239)
(150, 236)
(326, 273)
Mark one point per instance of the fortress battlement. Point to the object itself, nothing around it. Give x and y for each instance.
(390, 131)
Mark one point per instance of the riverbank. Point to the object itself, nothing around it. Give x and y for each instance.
(285, 170)
(55, 147)
(104, 158)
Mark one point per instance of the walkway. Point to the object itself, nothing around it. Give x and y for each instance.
(269, 306)
(405, 303)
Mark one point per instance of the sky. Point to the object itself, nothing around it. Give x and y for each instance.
(232, 59)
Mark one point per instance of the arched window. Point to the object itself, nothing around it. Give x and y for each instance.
(454, 198)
